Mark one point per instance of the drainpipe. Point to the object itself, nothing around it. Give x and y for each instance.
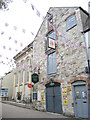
(89, 41)
(87, 54)
(89, 67)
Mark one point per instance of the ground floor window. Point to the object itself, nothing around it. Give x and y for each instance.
(34, 96)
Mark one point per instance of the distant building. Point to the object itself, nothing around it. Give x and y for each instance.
(59, 74)
(22, 76)
(6, 91)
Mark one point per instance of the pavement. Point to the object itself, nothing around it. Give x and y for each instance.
(28, 106)
(0, 110)
(26, 111)
(12, 111)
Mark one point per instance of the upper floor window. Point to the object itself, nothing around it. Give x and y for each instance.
(71, 22)
(28, 65)
(22, 70)
(18, 68)
(51, 64)
(50, 23)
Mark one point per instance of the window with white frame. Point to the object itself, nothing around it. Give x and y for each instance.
(28, 65)
(22, 70)
(17, 73)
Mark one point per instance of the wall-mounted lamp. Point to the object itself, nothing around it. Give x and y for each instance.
(38, 70)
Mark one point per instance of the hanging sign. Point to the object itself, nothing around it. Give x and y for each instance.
(51, 43)
(35, 78)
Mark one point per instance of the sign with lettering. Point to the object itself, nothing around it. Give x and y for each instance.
(4, 93)
(35, 78)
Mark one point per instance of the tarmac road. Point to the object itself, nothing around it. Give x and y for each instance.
(10, 111)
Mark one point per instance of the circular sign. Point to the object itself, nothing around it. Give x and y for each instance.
(29, 85)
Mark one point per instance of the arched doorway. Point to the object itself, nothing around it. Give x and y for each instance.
(53, 97)
(80, 95)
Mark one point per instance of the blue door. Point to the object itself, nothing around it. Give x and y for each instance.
(81, 101)
(53, 98)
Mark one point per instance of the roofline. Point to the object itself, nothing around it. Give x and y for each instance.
(73, 7)
(41, 25)
(84, 11)
(24, 49)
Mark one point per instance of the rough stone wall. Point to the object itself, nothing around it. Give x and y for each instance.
(71, 55)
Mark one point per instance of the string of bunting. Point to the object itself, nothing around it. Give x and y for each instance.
(65, 42)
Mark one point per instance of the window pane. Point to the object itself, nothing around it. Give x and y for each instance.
(28, 64)
(51, 63)
(71, 22)
(34, 96)
(78, 96)
(52, 35)
(84, 94)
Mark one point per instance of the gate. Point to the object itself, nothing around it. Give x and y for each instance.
(53, 98)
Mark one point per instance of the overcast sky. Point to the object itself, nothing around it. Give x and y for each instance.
(21, 16)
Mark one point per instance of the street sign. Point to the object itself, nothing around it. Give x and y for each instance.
(29, 85)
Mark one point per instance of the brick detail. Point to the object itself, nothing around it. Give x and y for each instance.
(78, 79)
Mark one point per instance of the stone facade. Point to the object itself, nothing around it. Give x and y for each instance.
(71, 54)
(71, 58)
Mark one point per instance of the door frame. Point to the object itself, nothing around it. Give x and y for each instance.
(56, 84)
(78, 83)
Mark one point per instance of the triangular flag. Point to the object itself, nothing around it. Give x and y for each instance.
(32, 7)
(6, 24)
(38, 13)
(15, 28)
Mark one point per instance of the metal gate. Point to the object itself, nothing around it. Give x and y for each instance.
(53, 98)
(80, 99)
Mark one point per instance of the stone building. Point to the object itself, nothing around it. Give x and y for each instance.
(60, 55)
(59, 73)
(22, 75)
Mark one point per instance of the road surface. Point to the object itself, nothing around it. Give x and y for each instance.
(10, 111)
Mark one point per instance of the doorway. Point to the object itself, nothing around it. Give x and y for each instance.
(53, 97)
(80, 95)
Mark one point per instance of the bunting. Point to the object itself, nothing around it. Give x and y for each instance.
(15, 28)
(32, 6)
(6, 24)
(38, 13)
